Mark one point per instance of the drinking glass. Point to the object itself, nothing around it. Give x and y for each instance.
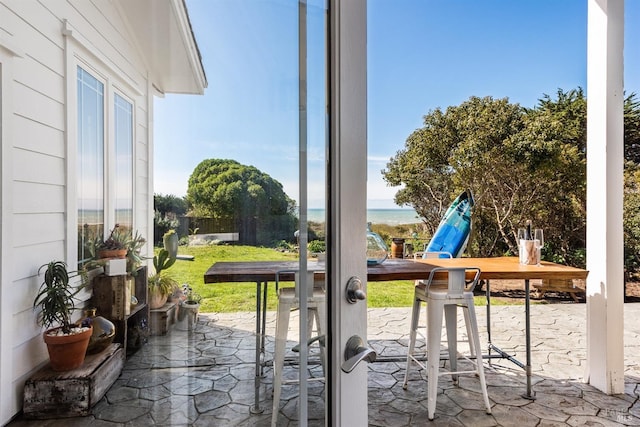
(538, 241)
(521, 237)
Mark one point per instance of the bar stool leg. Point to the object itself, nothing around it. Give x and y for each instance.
(475, 337)
(282, 328)
(472, 350)
(415, 317)
(451, 322)
(434, 333)
(321, 322)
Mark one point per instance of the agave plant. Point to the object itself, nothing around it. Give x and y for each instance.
(161, 282)
(56, 297)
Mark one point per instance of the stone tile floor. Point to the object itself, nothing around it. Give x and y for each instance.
(205, 377)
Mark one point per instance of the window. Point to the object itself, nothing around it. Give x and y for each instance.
(90, 162)
(104, 161)
(123, 117)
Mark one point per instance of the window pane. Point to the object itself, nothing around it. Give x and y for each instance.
(124, 162)
(90, 162)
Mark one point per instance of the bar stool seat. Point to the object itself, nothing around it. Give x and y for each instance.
(288, 300)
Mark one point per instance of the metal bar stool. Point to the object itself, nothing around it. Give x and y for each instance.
(420, 296)
(457, 294)
(288, 300)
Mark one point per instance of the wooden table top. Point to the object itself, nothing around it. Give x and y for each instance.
(500, 268)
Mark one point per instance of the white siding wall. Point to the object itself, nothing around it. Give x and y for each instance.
(38, 215)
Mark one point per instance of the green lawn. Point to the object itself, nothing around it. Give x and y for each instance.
(223, 297)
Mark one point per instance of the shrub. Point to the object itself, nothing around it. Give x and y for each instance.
(316, 246)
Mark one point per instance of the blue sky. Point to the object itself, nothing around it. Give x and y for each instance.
(422, 54)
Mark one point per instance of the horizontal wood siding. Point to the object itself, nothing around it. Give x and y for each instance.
(33, 136)
(37, 144)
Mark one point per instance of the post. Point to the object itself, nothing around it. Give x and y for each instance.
(605, 290)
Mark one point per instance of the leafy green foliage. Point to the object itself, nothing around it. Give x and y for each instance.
(316, 246)
(163, 261)
(257, 203)
(169, 204)
(55, 297)
(631, 219)
(632, 129)
(519, 163)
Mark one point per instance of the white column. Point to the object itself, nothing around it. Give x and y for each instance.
(605, 291)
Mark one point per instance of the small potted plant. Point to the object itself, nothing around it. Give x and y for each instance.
(134, 246)
(161, 284)
(115, 246)
(188, 310)
(66, 342)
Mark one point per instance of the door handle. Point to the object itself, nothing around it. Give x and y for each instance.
(354, 292)
(355, 352)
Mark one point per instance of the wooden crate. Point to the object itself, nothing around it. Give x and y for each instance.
(557, 285)
(161, 319)
(112, 298)
(50, 394)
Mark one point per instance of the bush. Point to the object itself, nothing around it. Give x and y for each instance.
(317, 246)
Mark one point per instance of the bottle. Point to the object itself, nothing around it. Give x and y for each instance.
(377, 250)
(528, 235)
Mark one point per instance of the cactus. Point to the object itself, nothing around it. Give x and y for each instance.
(163, 261)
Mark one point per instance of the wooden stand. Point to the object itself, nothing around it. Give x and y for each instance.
(112, 298)
(162, 318)
(50, 394)
(557, 285)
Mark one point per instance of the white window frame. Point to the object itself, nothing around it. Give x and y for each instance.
(80, 53)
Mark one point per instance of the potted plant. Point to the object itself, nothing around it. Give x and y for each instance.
(66, 342)
(188, 310)
(317, 249)
(161, 284)
(115, 246)
(134, 246)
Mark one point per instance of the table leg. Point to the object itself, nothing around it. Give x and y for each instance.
(263, 331)
(527, 305)
(488, 296)
(255, 409)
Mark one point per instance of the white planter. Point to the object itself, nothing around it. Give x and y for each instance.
(187, 316)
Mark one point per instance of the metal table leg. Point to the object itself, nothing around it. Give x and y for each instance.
(529, 394)
(488, 297)
(255, 409)
(263, 331)
(501, 353)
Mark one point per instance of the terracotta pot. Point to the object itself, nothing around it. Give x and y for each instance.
(67, 352)
(112, 253)
(157, 300)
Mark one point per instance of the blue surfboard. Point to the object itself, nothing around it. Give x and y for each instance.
(452, 233)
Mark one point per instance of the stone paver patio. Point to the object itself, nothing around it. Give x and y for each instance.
(205, 378)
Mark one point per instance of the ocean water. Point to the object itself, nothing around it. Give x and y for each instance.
(375, 216)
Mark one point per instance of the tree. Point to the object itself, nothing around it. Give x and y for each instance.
(520, 164)
(632, 129)
(169, 204)
(166, 211)
(260, 209)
